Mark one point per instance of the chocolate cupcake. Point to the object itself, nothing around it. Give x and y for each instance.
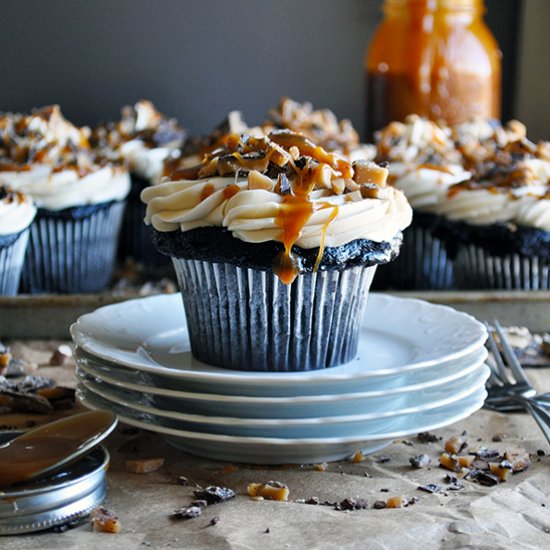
(275, 242)
(497, 224)
(142, 139)
(16, 214)
(72, 244)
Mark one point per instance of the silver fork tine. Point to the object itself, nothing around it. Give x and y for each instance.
(501, 369)
(510, 356)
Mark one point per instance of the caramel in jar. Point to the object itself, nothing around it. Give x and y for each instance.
(435, 58)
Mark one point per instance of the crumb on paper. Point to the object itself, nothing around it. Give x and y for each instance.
(104, 521)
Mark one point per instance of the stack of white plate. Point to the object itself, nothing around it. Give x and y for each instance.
(420, 367)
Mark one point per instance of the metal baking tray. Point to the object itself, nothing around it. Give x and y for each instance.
(50, 316)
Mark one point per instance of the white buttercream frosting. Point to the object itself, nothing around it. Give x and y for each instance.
(58, 190)
(16, 212)
(252, 214)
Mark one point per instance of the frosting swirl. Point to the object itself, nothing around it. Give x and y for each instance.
(16, 211)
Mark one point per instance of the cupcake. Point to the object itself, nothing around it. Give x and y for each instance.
(16, 214)
(497, 224)
(143, 139)
(423, 163)
(72, 242)
(275, 242)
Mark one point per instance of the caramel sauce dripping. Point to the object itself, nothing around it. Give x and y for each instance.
(207, 190)
(231, 191)
(331, 218)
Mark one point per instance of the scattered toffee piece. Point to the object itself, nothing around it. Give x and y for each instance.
(379, 504)
(383, 459)
(104, 521)
(420, 461)
(427, 437)
(519, 459)
(189, 512)
(214, 494)
(215, 520)
(272, 490)
(455, 445)
(430, 488)
(5, 356)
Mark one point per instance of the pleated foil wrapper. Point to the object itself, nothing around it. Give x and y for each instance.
(246, 319)
(12, 256)
(72, 255)
(422, 264)
(476, 269)
(135, 238)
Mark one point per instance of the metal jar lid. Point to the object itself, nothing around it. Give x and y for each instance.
(65, 496)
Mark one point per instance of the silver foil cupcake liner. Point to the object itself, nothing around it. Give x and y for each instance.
(12, 256)
(246, 319)
(476, 269)
(422, 264)
(72, 255)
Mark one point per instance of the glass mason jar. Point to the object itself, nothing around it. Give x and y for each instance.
(435, 58)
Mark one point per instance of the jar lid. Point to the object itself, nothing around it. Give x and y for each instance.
(67, 495)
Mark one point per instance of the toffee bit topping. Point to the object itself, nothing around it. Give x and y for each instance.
(273, 490)
(104, 521)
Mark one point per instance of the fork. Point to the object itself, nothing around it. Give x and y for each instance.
(509, 389)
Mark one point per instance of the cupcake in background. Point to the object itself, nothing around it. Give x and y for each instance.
(275, 242)
(423, 162)
(143, 138)
(497, 224)
(80, 201)
(16, 214)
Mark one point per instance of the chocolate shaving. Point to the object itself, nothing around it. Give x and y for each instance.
(427, 437)
(420, 461)
(214, 494)
(430, 488)
(189, 512)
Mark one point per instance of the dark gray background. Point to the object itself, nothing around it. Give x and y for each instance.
(198, 59)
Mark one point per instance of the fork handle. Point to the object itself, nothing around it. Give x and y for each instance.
(539, 413)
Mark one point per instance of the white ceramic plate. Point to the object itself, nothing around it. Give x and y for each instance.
(321, 426)
(265, 450)
(398, 335)
(442, 382)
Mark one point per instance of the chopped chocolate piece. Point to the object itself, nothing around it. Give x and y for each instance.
(427, 437)
(144, 465)
(497, 438)
(383, 459)
(407, 442)
(182, 480)
(15, 368)
(312, 500)
(484, 453)
(189, 512)
(420, 461)
(352, 504)
(454, 483)
(267, 530)
(283, 184)
(213, 494)
(61, 356)
(540, 452)
(450, 462)
(483, 478)
(104, 521)
(379, 504)
(68, 525)
(430, 488)
(384, 490)
(200, 503)
(215, 520)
